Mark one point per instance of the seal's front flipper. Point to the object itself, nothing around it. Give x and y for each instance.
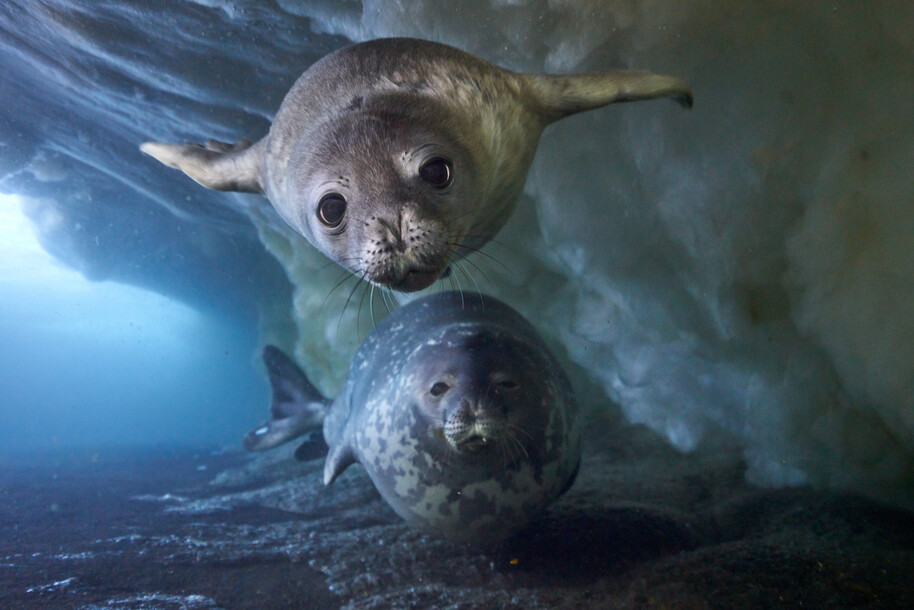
(560, 96)
(339, 459)
(216, 165)
(298, 407)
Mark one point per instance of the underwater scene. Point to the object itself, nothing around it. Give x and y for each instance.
(493, 304)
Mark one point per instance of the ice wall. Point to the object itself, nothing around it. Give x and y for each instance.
(743, 269)
(739, 271)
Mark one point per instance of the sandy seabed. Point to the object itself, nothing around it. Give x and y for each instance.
(643, 526)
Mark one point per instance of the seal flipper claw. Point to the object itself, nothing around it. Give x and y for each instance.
(339, 459)
(216, 165)
(297, 407)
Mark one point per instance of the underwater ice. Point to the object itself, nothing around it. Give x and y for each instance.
(741, 272)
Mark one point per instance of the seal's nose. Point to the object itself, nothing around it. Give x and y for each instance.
(472, 408)
(392, 233)
(402, 250)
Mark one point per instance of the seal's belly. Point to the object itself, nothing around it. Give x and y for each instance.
(484, 498)
(479, 510)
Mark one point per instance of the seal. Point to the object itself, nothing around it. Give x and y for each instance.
(397, 156)
(461, 416)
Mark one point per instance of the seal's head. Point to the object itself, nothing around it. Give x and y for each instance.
(479, 397)
(379, 190)
(480, 433)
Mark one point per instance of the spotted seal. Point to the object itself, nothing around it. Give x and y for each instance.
(457, 410)
(397, 156)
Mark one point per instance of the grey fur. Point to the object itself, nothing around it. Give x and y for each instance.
(363, 120)
(458, 412)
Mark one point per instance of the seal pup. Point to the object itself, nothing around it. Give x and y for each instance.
(397, 156)
(459, 413)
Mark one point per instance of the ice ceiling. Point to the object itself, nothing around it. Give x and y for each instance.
(742, 271)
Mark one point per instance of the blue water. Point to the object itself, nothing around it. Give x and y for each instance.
(100, 364)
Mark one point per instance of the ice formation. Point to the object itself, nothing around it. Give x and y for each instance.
(742, 271)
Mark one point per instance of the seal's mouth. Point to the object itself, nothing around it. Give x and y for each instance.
(474, 442)
(415, 278)
(475, 438)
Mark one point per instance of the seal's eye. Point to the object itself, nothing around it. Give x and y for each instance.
(437, 172)
(331, 209)
(507, 384)
(439, 389)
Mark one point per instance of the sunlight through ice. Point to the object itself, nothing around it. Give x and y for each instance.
(38, 291)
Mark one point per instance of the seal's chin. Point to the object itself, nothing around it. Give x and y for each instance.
(413, 279)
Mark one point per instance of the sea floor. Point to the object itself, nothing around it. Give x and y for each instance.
(642, 527)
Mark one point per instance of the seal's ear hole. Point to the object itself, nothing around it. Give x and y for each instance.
(331, 209)
(437, 172)
(439, 389)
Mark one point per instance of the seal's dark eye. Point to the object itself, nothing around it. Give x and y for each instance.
(437, 172)
(507, 384)
(331, 209)
(439, 389)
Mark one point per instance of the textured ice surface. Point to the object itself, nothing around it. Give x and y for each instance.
(742, 270)
(738, 269)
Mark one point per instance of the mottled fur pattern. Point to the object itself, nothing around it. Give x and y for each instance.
(458, 412)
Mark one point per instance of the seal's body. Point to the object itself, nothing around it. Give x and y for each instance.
(397, 156)
(455, 407)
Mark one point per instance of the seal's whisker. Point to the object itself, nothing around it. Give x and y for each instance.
(358, 317)
(515, 428)
(439, 452)
(471, 250)
(445, 455)
(346, 275)
(513, 447)
(490, 240)
(455, 284)
(454, 220)
(517, 443)
(397, 298)
(359, 281)
(339, 263)
(475, 283)
(505, 453)
(381, 291)
(456, 266)
(385, 299)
